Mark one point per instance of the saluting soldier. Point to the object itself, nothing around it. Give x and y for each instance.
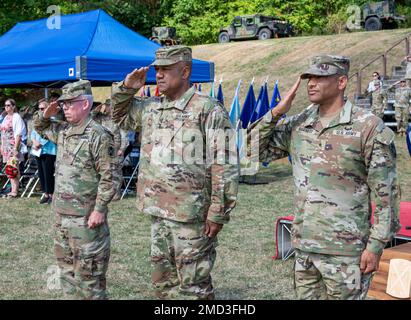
(83, 189)
(341, 154)
(186, 184)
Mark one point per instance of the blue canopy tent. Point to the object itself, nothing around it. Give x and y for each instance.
(90, 45)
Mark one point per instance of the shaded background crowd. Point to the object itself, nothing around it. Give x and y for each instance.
(21, 148)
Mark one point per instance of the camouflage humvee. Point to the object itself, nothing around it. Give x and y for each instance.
(255, 26)
(380, 15)
(165, 36)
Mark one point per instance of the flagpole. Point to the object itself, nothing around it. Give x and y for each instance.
(238, 86)
(236, 94)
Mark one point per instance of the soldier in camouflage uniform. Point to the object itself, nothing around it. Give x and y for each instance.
(378, 99)
(401, 105)
(84, 187)
(186, 191)
(340, 154)
(102, 114)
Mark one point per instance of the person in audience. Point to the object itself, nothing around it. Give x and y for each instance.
(45, 154)
(13, 136)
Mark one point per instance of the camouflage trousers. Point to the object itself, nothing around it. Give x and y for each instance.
(329, 277)
(82, 256)
(182, 259)
(401, 116)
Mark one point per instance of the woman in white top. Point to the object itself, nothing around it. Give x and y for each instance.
(371, 87)
(13, 133)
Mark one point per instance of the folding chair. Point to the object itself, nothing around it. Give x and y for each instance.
(130, 162)
(32, 179)
(284, 249)
(29, 174)
(131, 178)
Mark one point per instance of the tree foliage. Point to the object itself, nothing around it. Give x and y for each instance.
(197, 21)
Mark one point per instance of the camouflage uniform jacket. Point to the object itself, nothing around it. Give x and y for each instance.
(378, 99)
(335, 170)
(84, 164)
(402, 97)
(120, 135)
(172, 182)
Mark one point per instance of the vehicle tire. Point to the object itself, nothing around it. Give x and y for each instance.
(264, 34)
(156, 40)
(373, 24)
(223, 37)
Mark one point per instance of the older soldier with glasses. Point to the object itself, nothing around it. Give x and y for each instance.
(84, 187)
(341, 154)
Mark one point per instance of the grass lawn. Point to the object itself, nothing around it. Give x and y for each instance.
(244, 267)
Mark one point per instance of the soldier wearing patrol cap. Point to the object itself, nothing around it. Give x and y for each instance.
(378, 99)
(187, 198)
(84, 187)
(401, 104)
(341, 154)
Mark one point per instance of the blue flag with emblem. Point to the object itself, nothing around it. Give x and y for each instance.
(220, 96)
(276, 96)
(248, 107)
(262, 106)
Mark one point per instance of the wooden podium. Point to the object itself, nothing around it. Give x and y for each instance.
(379, 283)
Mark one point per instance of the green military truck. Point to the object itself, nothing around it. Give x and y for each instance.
(165, 36)
(380, 15)
(255, 26)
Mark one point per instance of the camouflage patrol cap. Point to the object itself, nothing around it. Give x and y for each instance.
(327, 65)
(75, 89)
(166, 56)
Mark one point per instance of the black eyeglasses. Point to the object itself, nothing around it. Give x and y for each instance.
(8, 105)
(69, 103)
